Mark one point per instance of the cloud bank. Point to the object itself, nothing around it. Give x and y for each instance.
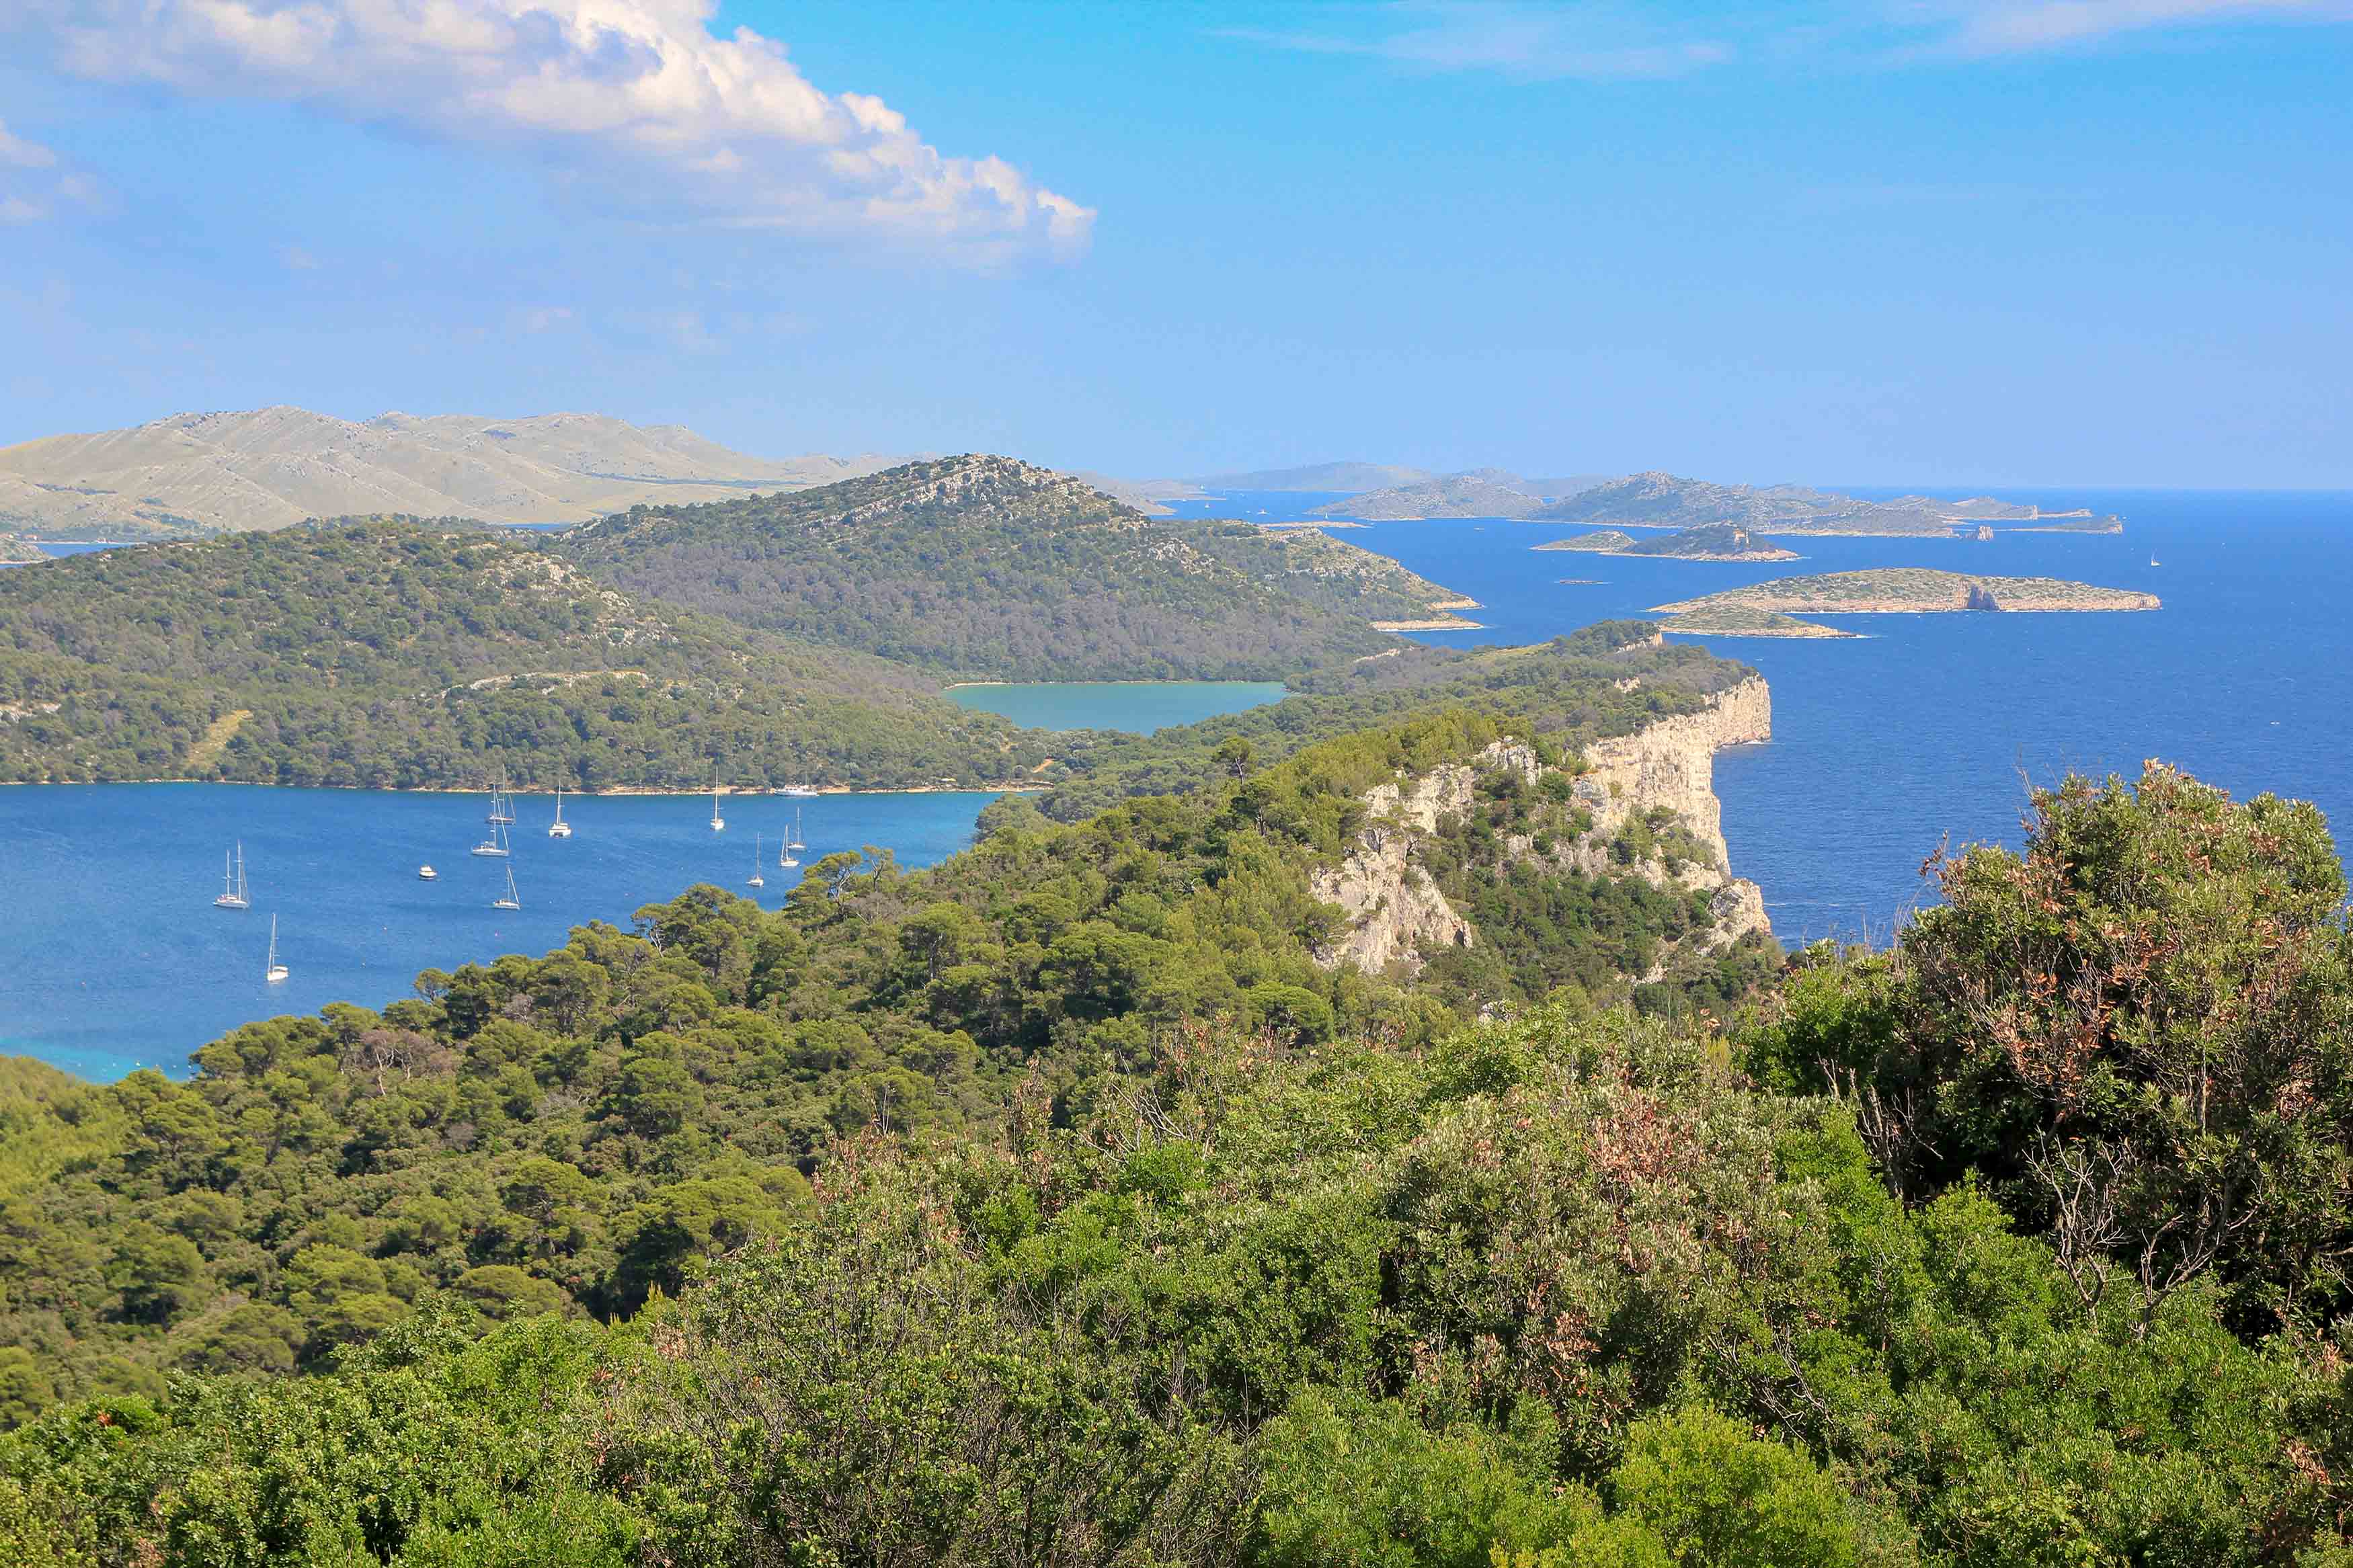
(636, 98)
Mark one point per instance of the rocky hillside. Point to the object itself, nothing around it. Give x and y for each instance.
(196, 474)
(985, 567)
(1640, 806)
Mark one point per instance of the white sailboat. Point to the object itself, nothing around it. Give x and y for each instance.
(559, 828)
(232, 896)
(496, 843)
(756, 880)
(794, 841)
(508, 899)
(502, 804)
(786, 858)
(272, 970)
(717, 821)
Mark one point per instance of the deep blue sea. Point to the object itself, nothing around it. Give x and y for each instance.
(1925, 730)
(1930, 727)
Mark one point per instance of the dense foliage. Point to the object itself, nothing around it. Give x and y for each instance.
(392, 653)
(1054, 1206)
(2140, 1032)
(568, 1130)
(988, 568)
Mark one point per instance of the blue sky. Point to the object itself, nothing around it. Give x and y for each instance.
(1948, 242)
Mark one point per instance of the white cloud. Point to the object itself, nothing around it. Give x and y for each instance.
(637, 96)
(17, 152)
(1527, 42)
(297, 259)
(2017, 27)
(16, 209)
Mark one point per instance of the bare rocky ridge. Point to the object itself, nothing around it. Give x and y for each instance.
(1397, 915)
(198, 474)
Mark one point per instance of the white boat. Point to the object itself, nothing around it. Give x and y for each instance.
(2152, 560)
(496, 843)
(799, 792)
(559, 828)
(794, 841)
(501, 804)
(784, 857)
(756, 880)
(232, 896)
(508, 900)
(717, 821)
(272, 970)
(427, 874)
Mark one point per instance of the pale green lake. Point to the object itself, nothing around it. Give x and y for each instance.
(1138, 707)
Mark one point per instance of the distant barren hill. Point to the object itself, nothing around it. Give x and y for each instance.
(199, 474)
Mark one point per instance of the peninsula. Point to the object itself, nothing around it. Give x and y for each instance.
(1912, 590)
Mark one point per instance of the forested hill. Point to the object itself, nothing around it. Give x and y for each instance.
(1134, 1235)
(988, 568)
(573, 1132)
(389, 652)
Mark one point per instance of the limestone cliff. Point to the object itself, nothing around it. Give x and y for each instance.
(1654, 789)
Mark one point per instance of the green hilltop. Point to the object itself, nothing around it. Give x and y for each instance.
(984, 567)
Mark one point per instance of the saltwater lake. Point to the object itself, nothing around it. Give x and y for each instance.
(1137, 706)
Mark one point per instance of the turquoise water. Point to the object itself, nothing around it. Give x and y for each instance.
(1138, 706)
(113, 956)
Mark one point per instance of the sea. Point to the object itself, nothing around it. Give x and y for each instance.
(1925, 731)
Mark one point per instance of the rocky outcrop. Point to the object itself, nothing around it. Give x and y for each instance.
(1398, 918)
(1395, 913)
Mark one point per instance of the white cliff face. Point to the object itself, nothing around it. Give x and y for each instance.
(1396, 915)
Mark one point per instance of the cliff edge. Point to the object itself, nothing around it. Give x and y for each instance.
(1643, 805)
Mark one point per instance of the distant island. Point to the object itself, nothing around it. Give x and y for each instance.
(1735, 621)
(1709, 542)
(1485, 492)
(1475, 492)
(1897, 589)
(1609, 541)
(1667, 500)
